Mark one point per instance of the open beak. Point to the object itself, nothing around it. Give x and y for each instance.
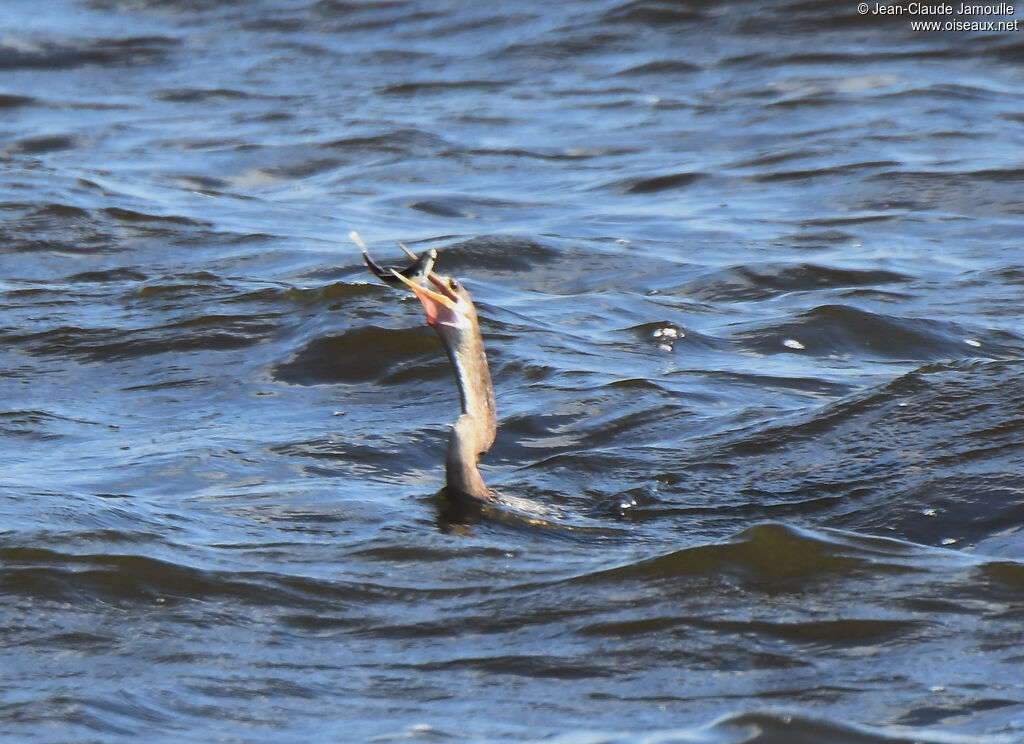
(441, 305)
(438, 306)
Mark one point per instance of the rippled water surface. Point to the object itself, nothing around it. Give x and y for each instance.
(750, 276)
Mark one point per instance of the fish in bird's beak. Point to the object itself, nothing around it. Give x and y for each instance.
(423, 265)
(442, 306)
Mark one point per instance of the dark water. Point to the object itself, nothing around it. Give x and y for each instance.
(750, 277)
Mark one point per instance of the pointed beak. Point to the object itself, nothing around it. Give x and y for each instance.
(434, 303)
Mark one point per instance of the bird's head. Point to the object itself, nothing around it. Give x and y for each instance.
(445, 301)
(450, 312)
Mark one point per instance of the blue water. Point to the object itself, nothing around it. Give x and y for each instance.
(749, 277)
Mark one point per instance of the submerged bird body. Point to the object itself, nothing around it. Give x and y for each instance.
(451, 313)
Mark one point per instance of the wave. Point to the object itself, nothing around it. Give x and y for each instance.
(848, 330)
(785, 727)
(775, 553)
(766, 558)
(754, 282)
(367, 354)
(25, 54)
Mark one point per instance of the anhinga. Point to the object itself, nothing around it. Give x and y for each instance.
(451, 314)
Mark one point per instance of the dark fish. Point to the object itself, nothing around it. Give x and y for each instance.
(416, 273)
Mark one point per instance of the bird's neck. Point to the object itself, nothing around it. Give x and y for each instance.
(474, 431)
(462, 474)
